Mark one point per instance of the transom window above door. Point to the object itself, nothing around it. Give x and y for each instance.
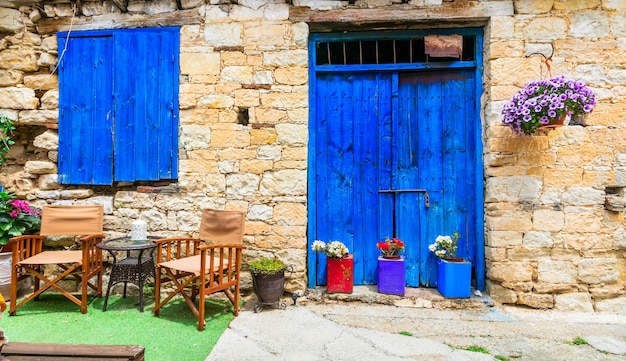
(393, 51)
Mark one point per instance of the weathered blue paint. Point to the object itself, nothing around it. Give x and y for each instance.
(85, 101)
(379, 128)
(118, 117)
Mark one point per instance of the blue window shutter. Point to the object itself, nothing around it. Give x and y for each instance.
(118, 105)
(146, 97)
(85, 110)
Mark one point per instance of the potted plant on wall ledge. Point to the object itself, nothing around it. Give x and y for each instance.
(391, 276)
(6, 129)
(547, 104)
(339, 266)
(454, 274)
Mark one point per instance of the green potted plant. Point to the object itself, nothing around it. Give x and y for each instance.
(454, 274)
(547, 103)
(6, 129)
(268, 280)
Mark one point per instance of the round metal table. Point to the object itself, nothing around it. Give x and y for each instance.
(135, 268)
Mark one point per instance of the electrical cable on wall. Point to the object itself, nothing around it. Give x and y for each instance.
(547, 60)
(69, 32)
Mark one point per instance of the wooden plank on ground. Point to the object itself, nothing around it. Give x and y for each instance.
(18, 351)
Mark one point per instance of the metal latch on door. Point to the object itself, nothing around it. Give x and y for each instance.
(395, 191)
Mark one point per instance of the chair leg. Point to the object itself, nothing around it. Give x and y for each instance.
(83, 299)
(236, 302)
(13, 290)
(100, 282)
(201, 306)
(157, 293)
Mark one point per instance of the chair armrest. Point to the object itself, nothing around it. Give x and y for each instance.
(175, 248)
(92, 255)
(25, 246)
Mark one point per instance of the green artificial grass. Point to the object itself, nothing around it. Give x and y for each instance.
(171, 336)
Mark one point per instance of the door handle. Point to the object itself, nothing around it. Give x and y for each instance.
(396, 191)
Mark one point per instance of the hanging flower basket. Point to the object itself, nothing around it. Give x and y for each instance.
(546, 102)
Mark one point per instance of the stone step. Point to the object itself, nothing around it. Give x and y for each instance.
(413, 297)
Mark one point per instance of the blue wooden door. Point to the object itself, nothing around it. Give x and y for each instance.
(433, 152)
(352, 141)
(394, 156)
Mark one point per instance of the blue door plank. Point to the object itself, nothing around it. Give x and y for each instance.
(454, 165)
(430, 178)
(405, 160)
(375, 105)
(387, 117)
(379, 213)
(167, 122)
(359, 152)
(341, 165)
(103, 114)
(322, 131)
(458, 179)
(127, 89)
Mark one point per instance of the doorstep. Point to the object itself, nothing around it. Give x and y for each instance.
(413, 297)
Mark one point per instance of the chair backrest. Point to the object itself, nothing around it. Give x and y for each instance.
(222, 227)
(71, 220)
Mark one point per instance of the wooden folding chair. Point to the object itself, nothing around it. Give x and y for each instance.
(198, 267)
(29, 258)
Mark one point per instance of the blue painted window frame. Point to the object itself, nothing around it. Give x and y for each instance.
(118, 105)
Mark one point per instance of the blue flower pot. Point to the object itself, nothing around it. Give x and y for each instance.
(391, 277)
(454, 278)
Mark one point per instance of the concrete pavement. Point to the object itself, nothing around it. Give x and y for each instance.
(323, 328)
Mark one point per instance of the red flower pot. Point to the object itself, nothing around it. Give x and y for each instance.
(340, 274)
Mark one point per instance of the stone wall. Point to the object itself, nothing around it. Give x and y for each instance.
(554, 205)
(242, 59)
(554, 202)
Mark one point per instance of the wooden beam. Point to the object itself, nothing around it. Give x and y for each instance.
(457, 11)
(120, 21)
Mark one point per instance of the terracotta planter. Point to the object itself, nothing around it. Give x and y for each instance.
(555, 123)
(391, 276)
(340, 274)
